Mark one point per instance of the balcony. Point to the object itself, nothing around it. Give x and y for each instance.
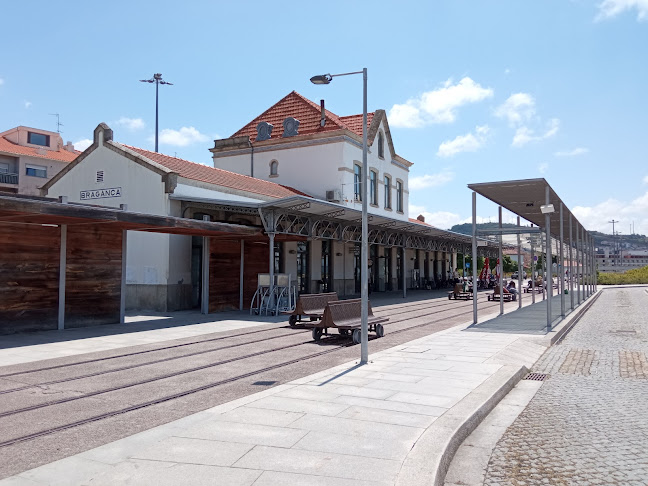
(8, 178)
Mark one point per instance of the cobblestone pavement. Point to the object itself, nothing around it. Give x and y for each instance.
(588, 423)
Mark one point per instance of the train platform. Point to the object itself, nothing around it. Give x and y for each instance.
(397, 420)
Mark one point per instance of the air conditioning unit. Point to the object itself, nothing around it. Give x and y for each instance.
(334, 196)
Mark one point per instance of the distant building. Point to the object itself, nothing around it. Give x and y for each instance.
(30, 157)
(611, 262)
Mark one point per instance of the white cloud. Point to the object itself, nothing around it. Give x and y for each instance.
(439, 105)
(183, 137)
(572, 153)
(28, 104)
(431, 180)
(82, 144)
(611, 8)
(597, 217)
(440, 219)
(524, 135)
(543, 167)
(132, 124)
(464, 143)
(517, 109)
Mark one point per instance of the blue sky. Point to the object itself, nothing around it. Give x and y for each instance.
(474, 91)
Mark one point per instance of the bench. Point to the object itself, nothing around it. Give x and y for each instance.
(345, 315)
(458, 293)
(312, 306)
(506, 296)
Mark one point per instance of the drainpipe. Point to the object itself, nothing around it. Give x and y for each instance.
(251, 158)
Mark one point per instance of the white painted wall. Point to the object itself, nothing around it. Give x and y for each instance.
(316, 169)
(143, 191)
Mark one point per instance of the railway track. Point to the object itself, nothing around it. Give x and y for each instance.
(17, 413)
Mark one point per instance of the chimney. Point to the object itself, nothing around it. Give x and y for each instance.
(323, 119)
(421, 218)
(69, 147)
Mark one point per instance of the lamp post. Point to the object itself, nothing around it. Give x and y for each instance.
(157, 79)
(364, 249)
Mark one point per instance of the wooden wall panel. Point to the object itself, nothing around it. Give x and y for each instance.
(93, 275)
(29, 274)
(256, 261)
(224, 268)
(224, 273)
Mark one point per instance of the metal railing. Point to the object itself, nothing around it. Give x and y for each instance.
(8, 178)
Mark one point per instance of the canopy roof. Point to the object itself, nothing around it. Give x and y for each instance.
(524, 198)
(46, 211)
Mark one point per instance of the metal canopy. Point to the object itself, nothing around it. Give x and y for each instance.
(524, 198)
(305, 216)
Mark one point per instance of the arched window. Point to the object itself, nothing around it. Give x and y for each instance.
(381, 145)
(274, 168)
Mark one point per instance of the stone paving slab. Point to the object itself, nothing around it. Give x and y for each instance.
(345, 425)
(588, 422)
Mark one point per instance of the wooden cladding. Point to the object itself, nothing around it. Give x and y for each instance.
(225, 268)
(93, 275)
(29, 276)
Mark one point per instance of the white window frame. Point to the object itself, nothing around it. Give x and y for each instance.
(35, 167)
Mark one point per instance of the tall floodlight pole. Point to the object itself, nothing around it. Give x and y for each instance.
(364, 250)
(616, 260)
(157, 79)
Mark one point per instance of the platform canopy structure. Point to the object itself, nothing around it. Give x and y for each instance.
(553, 228)
(64, 264)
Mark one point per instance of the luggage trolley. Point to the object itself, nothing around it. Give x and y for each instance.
(262, 294)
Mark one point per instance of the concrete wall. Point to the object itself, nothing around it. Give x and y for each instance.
(30, 185)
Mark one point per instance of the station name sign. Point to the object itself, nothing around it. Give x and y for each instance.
(101, 193)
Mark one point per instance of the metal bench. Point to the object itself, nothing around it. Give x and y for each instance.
(311, 306)
(345, 315)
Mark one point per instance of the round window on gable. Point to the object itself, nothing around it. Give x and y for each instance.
(274, 168)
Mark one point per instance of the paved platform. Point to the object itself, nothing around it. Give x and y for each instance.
(530, 319)
(588, 422)
(388, 422)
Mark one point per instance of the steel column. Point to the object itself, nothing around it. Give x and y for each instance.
(474, 254)
(571, 264)
(520, 267)
(548, 282)
(501, 264)
(271, 269)
(204, 288)
(403, 272)
(579, 259)
(364, 253)
(62, 272)
(122, 295)
(533, 270)
(561, 273)
(241, 276)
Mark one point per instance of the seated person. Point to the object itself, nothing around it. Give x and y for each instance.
(511, 289)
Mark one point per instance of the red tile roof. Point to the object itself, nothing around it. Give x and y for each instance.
(62, 155)
(354, 122)
(418, 221)
(219, 177)
(308, 114)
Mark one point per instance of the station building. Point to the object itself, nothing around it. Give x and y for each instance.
(294, 173)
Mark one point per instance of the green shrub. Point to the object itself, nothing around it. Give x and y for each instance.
(636, 276)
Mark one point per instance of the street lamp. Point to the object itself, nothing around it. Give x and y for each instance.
(364, 249)
(157, 79)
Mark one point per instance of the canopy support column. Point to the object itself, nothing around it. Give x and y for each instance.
(474, 255)
(549, 280)
(561, 266)
(204, 287)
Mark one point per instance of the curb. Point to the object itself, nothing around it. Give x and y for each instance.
(429, 459)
